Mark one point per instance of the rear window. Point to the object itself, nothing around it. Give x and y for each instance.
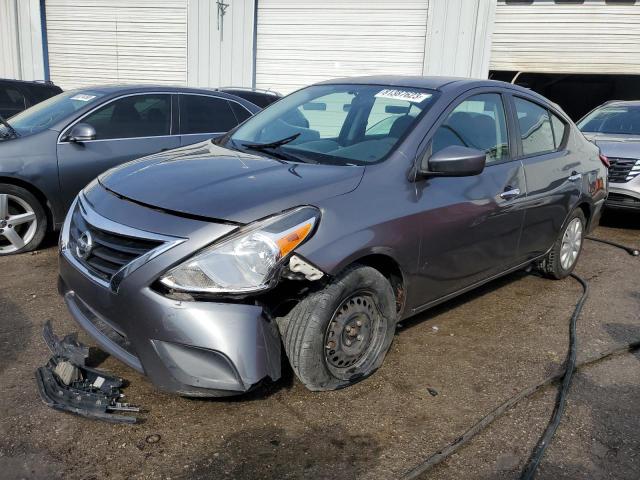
(613, 119)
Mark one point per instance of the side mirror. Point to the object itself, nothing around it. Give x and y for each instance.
(453, 161)
(81, 132)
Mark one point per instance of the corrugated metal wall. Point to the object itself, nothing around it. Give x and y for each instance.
(458, 39)
(221, 52)
(544, 36)
(21, 40)
(120, 41)
(302, 42)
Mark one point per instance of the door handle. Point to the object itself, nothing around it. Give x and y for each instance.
(575, 176)
(510, 194)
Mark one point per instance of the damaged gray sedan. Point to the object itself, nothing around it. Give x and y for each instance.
(320, 223)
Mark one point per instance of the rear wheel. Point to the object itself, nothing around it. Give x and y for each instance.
(23, 221)
(341, 334)
(563, 257)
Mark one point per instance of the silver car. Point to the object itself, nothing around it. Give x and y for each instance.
(615, 128)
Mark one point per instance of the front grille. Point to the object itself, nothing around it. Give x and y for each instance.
(108, 252)
(620, 199)
(623, 169)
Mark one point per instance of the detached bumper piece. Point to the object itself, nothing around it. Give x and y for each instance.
(66, 384)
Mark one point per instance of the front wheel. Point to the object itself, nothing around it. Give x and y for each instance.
(340, 334)
(563, 257)
(23, 221)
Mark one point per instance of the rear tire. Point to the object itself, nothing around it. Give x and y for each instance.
(23, 220)
(340, 335)
(564, 255)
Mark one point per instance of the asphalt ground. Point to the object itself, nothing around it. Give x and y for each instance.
(472, 353)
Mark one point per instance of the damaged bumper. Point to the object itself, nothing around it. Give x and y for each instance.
(193, 348)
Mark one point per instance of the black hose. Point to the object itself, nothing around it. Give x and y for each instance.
(565, 375)
(538, 452)
(631, 251)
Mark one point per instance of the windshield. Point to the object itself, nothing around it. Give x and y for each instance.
(45, 114)
(336, 124)
(614, 119)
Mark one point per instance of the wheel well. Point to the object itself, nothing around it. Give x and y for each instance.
(586, 209)
(36, 193)
(392, 271)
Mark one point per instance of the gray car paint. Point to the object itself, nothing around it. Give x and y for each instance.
(55, 170)
(444, 235)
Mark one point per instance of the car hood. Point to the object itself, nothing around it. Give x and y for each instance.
(617, 146)
(206, 180)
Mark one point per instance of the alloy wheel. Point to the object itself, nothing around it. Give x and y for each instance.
(18, 223)
(571, 243)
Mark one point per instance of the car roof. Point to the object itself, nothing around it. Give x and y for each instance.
(441, 83)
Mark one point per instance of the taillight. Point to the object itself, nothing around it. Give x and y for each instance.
(605, 161)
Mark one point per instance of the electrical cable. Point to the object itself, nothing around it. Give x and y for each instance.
(565, 375)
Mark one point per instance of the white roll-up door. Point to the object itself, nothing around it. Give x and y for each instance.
(94, 42)
(545, 36)
(302, 42)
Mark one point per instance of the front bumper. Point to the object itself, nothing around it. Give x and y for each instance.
(193, 348)
(624, 196)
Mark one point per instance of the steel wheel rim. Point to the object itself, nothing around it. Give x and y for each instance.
(571, 244)
(18, 223)
(352, 332)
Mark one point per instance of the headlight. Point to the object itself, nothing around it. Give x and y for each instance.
(248, 260)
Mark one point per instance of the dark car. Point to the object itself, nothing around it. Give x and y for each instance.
(53, 149)
(395, 194)
(18, 95)
(615, 128)
(259, 97)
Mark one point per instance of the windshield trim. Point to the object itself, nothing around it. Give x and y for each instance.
(320, 158)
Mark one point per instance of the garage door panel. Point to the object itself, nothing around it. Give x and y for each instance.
(96, 42)
(305, 42)
(581, 38)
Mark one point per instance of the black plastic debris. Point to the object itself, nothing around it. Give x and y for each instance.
(66, 384)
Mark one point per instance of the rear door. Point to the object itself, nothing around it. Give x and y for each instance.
(203, 117)
(471, 225)
(128, 127)
(552, 172)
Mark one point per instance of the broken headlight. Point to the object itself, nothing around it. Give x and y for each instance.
(248, 260)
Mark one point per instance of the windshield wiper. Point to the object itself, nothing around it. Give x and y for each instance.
(9, 127)
(276, 144)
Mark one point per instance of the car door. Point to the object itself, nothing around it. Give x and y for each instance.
(203, 117)
(128, 127)
(471, 225)
(553, 180)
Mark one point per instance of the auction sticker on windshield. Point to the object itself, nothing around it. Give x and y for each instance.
(83, 97)
(408, 95)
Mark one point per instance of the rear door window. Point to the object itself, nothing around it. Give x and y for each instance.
(11, 100)
(535, 128)
(478, 122)
(133, 116)
(204, 114)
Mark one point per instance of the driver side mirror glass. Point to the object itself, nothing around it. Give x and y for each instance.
(81, 132)
(453, 161)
